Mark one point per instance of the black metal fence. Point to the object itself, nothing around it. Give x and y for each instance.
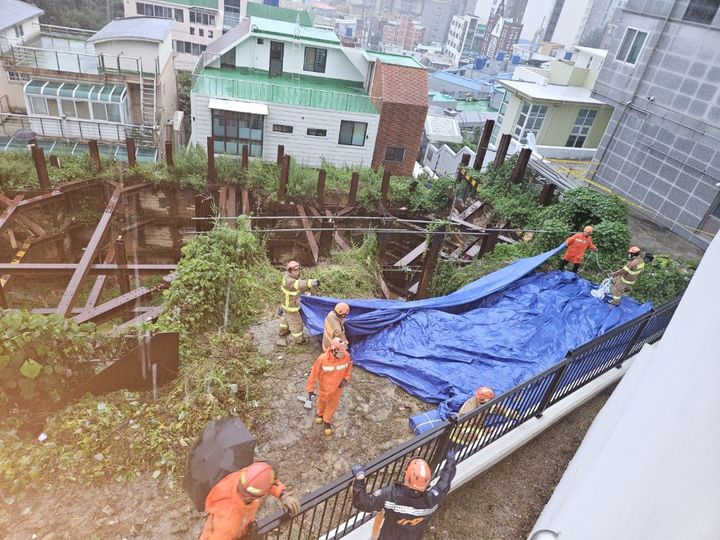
(328, 513)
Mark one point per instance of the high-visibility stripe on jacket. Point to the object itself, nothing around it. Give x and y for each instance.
(291, 289)
(631, 271)
(329, 372)
(577, 244)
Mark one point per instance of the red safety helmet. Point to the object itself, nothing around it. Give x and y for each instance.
(292, 265)
(417, 474)
(256, 479)
(342, 308)
(484, 394)
(338, 344)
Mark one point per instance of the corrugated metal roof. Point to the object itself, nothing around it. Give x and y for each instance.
(470, 84)
(279, 14)
(14, 12)
(140, 28)
(254, 85)
(396, 59)
(282, 28)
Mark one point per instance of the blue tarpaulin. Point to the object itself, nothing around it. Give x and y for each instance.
(498, 331)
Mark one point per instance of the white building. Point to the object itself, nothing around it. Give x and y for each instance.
(270, 82)
(462, 36)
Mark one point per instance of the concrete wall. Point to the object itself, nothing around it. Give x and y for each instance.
(253, 55)
(302, 147)
(129, 50)
(663, 150)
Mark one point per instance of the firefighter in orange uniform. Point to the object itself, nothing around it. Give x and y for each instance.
(577, 244)
(331, 370)
(233, 502)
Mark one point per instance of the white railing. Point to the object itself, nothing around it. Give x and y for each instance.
(66, 31)
(76, 62)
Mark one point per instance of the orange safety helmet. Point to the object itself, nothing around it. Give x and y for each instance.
(342, 308)
(338, 344)
(256, 479)
(292, 265)
(634, 250)
(484, 394)
(588, 229)
(417, 474)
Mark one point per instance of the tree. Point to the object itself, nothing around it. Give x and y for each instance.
(86, 14)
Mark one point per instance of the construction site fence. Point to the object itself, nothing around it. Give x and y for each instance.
(328, 513)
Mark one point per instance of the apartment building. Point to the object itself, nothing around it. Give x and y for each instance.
(661, 150)
(269, 82)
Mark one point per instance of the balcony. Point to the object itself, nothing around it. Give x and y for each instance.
(300, 91)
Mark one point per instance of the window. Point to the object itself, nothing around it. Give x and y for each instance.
(179, 15)
(701, 11)
(186, 47)
(83, 110)
(352, 133)
(501, 116)
(394, 154)
(202, 18)
(19, 32)
(233, 130)
(317, 132)
(160, 12)
(631, 45)
(210, 33)
(99, 111)
(280, 128)
(38, 105)
(192, 31)
(315, 59)
(529, 121)
(201, 32)
(14, 76)
(68, 108)
(580, 130)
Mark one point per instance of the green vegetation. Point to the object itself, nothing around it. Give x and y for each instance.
(86, 14)
(123, 434)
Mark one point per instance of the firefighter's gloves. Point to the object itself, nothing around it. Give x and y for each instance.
(311, 395)
(358, 472)
(290, 504)
(343, 383)
(315, 282)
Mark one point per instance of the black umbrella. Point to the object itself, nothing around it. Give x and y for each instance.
(225, 446)
(24, 134)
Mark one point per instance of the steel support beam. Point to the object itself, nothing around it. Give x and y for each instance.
(53, 269)
(7, 214)
(67, 302)
(310, 237)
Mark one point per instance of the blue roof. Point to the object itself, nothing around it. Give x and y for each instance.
(470, 84)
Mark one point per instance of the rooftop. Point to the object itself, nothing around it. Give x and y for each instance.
(279, 14)
(442, 129)
(254, 85)
(14, 12)
(397, 59)
(211, 4)
(140, 28)
(551, 92)
(470, 84)
(272, 27)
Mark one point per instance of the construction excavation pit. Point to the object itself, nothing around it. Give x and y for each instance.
(134, 312)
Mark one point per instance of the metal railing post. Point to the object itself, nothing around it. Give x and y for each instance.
(552, 388)
(633, 340)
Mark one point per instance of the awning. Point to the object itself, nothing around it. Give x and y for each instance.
(104, 93)
(238, 106)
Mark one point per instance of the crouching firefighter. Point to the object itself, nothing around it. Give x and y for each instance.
(292, 286)
(404, 510)
(233, 502)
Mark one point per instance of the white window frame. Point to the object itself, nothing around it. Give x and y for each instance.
(17, 77)
(501, 116)
(19, 31)
(628, 43)
(530, 120)
(584, 122)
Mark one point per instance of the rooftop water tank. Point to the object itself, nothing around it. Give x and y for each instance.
(480, 62)
(500, 56)
(515, 59)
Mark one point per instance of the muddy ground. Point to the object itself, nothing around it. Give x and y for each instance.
(502, 504)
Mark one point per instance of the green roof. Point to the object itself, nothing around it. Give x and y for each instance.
(397, 59)
(288, 29)
(211, 4)
(278, 14)
(439, 96)
(477, 105)
(254, 85)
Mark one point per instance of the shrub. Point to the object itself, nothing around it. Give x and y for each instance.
(585, 206)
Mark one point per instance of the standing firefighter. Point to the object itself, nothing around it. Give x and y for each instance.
(625, 277)
(334, 326)
(577, 244)
(404, 510)
(233, 502)
(331, 370)
(290, 321)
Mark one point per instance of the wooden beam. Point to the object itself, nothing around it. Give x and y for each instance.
(51, 269)
(483, 144)
(169, 154)
(17, 259)
(121, 304)
(83, 267)
(430, 263)
(308, 233)
(410, 257)
(131, 151)
(8, 212)
(339, 239)
(121, 259)
(150, 315)
(78, 311)
(502, 149)
(470, 210)
(40, 167)
(320, 192)
(352, 195)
